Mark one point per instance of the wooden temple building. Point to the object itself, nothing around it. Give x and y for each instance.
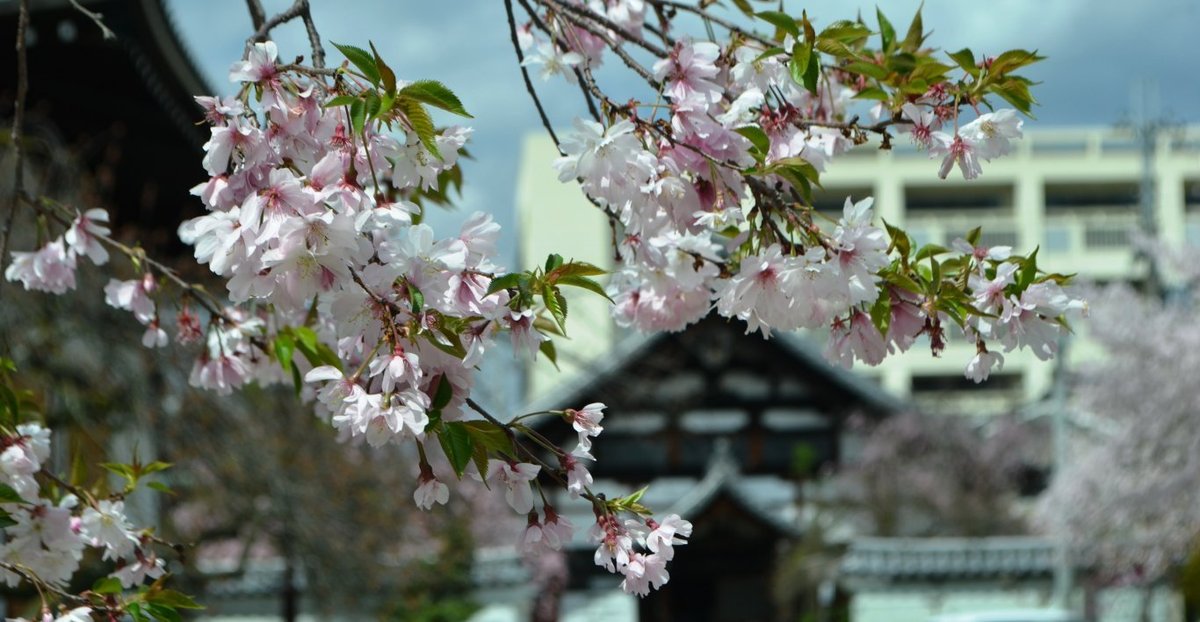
(723, 427)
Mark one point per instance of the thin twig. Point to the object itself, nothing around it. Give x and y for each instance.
(97, 18)
(312, 71)
(296, 10)
(17, 131)
(314, 39)
(512, 29)
(258, 15)
(612, 45)
(609, 24)
(724, 23)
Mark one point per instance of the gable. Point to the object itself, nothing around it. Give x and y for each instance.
(671, 397)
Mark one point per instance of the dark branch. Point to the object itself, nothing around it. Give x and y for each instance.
(17, 131)
(96, 18)
(258, 15)
(512, 29)
(300, 10)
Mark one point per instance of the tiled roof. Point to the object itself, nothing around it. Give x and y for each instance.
(899, 559)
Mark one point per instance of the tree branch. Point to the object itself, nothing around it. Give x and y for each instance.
(258, 15)
(96, 18)
(512, 29)
(299, 9)
(724, 23)
(17, 132)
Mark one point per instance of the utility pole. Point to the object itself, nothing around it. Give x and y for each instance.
(1146, 126)
(1064, 569)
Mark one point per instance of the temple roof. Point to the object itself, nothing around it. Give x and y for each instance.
(892, 560)
(632, 353)
(673, 396)
(113, 121)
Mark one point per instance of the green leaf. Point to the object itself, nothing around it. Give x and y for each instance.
(844, 31)
(508, 281)
(836, 48)
(902, 63)
(441, 396)
(358, 116)
(373, 104)
(161, 487)
(386, 75)
(873, 93)
(416, 298)
(457, 444)
(435, 94)
(285, 347)
(757, 138)
(553, 261)
(107, 585)
(583, 282)
(966, 60)
(556, 305)
(155, 467)
(1016, 92)
(576, 268)
(315, 352)
(769, 52)
(9, 495)
(881, 311)
(12, 407)
(123, 470)
(973, 236)
(163, 613)
(916, 33)
(781, 21)
(479, 455)
(930, 250)
(635, 496)
(1028, 272)
(1013, 60)
(341, 100)
(802, 57)
(887, 34)
(899, 239)
(6, 520)
(361, 59)
(421, 123)
(871, 70)
(171, 598)
(812, 73)
(547, 327)
(547, 347)
(485, 434)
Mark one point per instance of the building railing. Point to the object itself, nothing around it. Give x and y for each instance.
(1081, 231)
(999, 229)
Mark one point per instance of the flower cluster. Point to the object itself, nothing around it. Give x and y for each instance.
(52, 267)
(47, 535)
(638, 550)
(714, 201)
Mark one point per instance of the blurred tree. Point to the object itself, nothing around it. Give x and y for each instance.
(1129, 499)
(924, 475)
